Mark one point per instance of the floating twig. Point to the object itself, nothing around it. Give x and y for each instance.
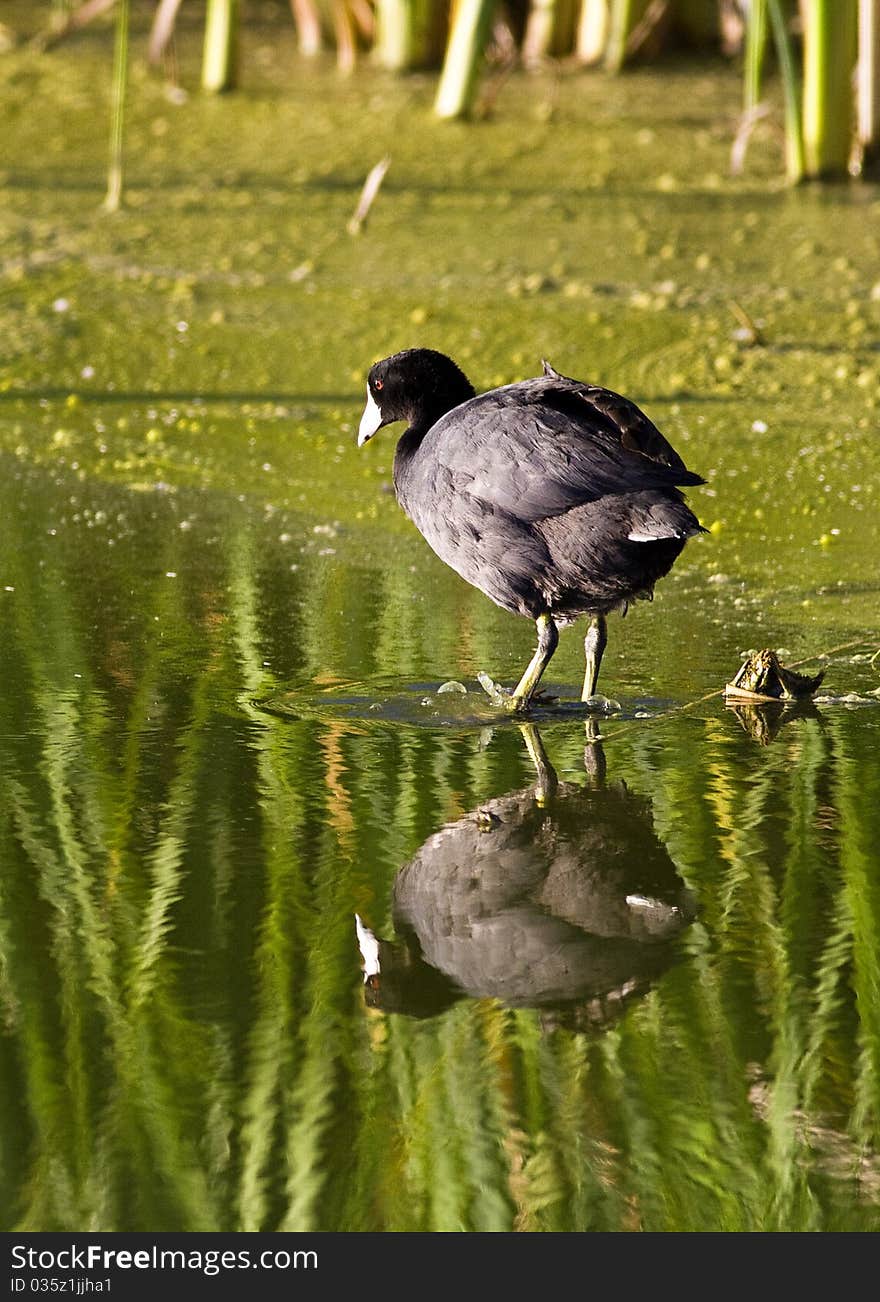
(368, 194)
(749, 333)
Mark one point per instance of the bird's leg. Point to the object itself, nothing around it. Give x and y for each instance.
(548, 640)
(594, 646)
(594, 755)
(547, 780)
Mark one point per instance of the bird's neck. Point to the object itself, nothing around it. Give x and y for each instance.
(407, 449)
(431, 408)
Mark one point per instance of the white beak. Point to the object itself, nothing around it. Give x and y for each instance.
(370, 421)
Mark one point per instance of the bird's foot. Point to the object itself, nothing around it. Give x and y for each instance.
(543, 698)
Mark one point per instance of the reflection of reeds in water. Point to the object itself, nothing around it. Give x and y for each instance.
(185, 1041)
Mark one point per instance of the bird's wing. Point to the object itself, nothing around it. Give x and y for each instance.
(484, 543)
(539, 448)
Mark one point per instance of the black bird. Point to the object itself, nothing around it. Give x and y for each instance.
(554, 497)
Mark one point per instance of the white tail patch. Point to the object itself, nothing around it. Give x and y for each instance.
(639, 535)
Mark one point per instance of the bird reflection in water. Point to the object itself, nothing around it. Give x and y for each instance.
(559, 897)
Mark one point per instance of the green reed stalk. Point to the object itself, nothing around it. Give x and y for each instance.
(220, 55)
(397, 34)
(624, 18)
(471, 24)
(592, 33)
(829, 52)
(868, 80)
(755, 53)
(540, 27)
(794, 139)
(117, 124)
(308, 26)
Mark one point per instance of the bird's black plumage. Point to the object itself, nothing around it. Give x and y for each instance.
(553, 497)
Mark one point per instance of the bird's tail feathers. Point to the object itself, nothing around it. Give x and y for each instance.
(660, 518)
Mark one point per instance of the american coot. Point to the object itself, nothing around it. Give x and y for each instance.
(553, 497)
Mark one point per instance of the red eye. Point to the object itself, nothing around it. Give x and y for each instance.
(378, 384)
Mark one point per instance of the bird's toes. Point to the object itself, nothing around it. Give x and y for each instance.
(543, 698)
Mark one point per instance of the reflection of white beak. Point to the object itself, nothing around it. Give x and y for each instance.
(369, 947)
(370, 421)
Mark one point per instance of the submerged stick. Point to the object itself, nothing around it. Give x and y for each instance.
(371, 188)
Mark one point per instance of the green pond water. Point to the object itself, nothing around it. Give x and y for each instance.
(630, 970)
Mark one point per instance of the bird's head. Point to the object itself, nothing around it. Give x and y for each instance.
(418, 386)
